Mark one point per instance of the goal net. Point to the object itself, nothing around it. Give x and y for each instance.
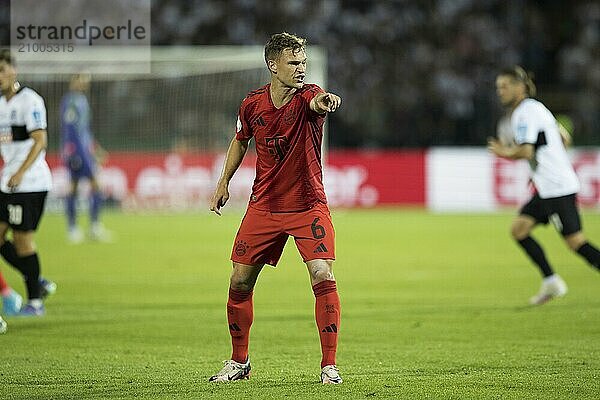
(176, 121)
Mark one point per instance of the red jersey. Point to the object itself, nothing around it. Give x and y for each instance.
(289, 174)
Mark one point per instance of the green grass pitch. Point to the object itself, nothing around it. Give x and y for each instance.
(433, 307)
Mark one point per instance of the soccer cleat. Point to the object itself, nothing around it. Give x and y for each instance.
(11, 303)
(330, 375)
(232, 371)
(99, 233)
(30, 311)
(3, 326)
(48, 287)
(75, 236)
(551, 288)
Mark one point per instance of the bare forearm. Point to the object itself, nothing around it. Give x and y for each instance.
(516, 153)
(233, 159)
(523, 151)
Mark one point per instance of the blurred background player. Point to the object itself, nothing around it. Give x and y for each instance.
(538, 139)
(80, 155)
(25, 179)
(286, 119)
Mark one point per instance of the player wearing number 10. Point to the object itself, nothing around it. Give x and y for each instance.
(285, 118)
(25, 179)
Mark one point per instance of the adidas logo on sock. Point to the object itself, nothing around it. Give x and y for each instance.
(330, 328)
(234, 327)
(321, 249)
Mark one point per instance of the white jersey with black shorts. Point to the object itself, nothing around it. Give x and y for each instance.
(553, 176)
(22, 207)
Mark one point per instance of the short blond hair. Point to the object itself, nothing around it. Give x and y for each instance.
(6, 56)
(281, 41)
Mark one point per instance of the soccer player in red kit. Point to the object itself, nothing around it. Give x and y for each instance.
(285, 118)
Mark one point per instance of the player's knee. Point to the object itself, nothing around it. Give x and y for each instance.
(24, 245)
(322, 276)
(519, 231)
(575, 241)
(241, 283)
(322, 272)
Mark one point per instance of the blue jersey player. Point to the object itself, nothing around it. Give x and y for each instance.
(79, 152)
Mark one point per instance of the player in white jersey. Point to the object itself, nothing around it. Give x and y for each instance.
(25, 179)
(538, 139)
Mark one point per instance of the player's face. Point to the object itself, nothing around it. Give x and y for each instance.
(509, 90)
(291, 68)
(81, 83)
(7, 76)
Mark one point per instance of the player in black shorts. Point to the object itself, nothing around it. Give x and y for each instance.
(24, 181)
(538, 139)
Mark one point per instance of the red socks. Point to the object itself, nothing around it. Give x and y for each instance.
(4, 288)
(327, 314)
(240, 313)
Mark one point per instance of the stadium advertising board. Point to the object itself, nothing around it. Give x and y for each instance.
(443, 179)
(467, 179)
(184, 181)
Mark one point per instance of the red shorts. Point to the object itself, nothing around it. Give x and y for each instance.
(262, 235)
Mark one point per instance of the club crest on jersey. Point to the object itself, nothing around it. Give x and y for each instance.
(13, 115)
(290, 114)
(241, 247)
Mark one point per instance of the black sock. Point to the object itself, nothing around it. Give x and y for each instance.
(536, 253)
(8, 251)
(591, 254)
(31, 271)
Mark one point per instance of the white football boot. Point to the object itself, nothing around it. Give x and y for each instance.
(99, 233)
(330, 375)
(232, 371)
(552, 286)
(75, 236)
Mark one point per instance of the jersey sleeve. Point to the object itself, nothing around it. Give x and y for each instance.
(243, 130)
(525, 127)
(35, 114)
(308, 95)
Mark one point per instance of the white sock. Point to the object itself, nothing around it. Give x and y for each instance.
(35, 303)
(551, 279)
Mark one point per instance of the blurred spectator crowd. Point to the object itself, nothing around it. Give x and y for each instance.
(417, 73)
